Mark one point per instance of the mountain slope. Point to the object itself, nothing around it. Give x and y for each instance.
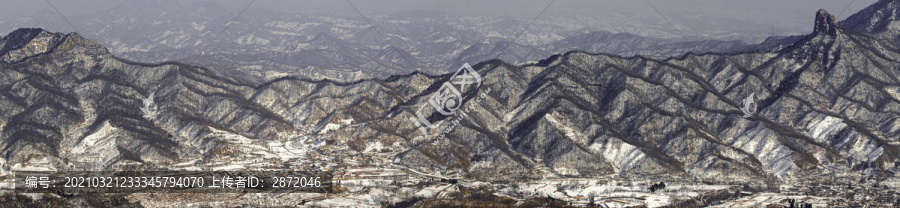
(61, 89)
(828, 103)
(879, 20)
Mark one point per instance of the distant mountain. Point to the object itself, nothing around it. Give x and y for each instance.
(625, 44)
(879, 20)
(261, 46)
(828, 103)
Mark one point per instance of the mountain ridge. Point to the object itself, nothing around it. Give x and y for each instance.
(575, 114)
(262, 46)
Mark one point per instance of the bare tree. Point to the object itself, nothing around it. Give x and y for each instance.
(590, 197)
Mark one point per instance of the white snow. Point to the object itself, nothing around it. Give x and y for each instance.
(622, 155)
(436, 191)
(764, 199)
(97, 147)
(374, 146)
(272, 149)
(893, 91)
(229, 167)
(335, 126)
(826, 127)
(198, 26)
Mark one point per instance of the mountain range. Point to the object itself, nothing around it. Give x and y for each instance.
(258, 46)
(828, 104)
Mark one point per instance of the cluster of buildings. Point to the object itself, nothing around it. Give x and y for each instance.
(849, 195)
(345, 164)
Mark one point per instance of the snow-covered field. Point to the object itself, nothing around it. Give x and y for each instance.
(609, 192)
(764, 199)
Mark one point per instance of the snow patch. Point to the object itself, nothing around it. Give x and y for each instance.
(198, 26)
(330, 127)
(374, 146)
(97, 147)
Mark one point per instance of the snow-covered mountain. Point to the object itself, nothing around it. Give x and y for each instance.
(826, 100)
(826, 105)
(260, 45)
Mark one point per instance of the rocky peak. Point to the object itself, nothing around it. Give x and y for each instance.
(825, 23)
(27, 42)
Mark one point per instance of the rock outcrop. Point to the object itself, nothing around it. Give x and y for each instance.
(825, 23)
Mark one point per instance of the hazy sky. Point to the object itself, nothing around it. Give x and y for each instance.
(793, 11)
(16, 8)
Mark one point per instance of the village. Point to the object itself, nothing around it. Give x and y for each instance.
(370, 177)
